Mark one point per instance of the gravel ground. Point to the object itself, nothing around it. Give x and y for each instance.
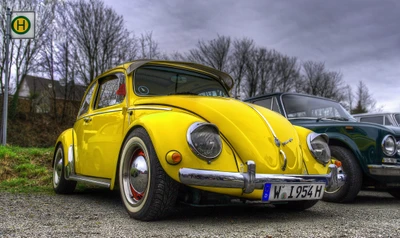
(100, 213)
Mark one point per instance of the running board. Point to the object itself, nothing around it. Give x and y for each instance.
(96, 181)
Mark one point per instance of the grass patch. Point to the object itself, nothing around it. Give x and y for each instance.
(25, 169)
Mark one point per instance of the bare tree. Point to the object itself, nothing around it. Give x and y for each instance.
(241, 55)
(316, 80)
(365, 101)
(25, 51)
(148, 46)
(214, 53)
(98, 33)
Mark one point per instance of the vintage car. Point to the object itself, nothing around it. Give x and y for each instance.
(382, 118)
(166, 132)
(369, 153)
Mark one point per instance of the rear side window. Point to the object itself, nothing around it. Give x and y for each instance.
(265, 103)
(375, 119)
(387, 121)
(86, 101)
(111, 90)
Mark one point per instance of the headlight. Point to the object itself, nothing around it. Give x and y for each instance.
(204, 140)
(389, 145)
(318, 145)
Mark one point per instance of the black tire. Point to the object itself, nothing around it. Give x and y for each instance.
(147, 192)
(395, 192)
(349, 191)
(297, 205)
(60, 184)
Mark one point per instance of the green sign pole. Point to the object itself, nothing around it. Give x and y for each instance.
(6, 79)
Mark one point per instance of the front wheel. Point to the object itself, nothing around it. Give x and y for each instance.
(348, 192)
(60, 184)
(147, 192)
(297, 205)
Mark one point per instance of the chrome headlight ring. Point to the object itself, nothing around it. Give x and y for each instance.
(389, 145)
(398, 147)
(204, 140)
(318, 145)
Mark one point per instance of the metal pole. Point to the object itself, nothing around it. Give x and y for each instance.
(5, 101)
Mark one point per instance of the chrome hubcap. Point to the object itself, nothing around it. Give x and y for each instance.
(58, 163)
(137, 177)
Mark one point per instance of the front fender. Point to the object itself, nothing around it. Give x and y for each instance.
(312, 165)
(349, 143)
(168, 130)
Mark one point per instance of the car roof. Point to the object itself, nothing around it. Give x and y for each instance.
(224, 78)
(287, 93)
(374, 114)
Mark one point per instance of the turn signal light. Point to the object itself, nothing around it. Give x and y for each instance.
(338, 163)
(173, 157)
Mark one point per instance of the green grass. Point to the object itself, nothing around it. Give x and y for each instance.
(28, 170)
(25, 170)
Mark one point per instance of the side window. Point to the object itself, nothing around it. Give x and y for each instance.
(111, 90)
(86, 101)
(387, 121)
(376, 119)
(275, 106)
(265, 103)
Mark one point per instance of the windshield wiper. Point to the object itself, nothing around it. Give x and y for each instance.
(183, 93)
(333, 118)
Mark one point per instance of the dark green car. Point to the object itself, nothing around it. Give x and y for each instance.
(369, 153)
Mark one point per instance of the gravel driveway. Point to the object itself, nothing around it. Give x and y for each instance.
(100, 213)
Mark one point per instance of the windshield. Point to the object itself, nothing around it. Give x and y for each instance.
(301, 106)
(160, 80)
(397, 117)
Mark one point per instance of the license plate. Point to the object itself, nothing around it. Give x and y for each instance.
(288, 192)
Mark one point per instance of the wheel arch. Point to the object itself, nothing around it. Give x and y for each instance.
(351, 146)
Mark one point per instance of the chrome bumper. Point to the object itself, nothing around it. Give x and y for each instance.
(250, 180)
(384, 170)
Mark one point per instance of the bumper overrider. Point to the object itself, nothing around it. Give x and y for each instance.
(249, 180)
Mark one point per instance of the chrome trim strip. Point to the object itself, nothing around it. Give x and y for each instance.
(284, 160)
(250, 180)
(277, 142)
(97, 181)
(384, 170)
(149, 108)
(99, 113)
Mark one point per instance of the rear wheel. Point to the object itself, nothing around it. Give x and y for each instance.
(297, 205)
(147, 192)
(60, 184)
(348, 192)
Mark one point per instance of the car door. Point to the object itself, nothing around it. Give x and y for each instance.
(102, 129)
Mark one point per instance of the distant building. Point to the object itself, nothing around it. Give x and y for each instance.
(42, 91)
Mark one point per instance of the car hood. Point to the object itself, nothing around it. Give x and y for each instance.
(248, 128)
(310, 123)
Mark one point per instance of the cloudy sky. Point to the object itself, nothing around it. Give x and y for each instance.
(359, 38)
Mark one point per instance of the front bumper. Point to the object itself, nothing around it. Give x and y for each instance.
(384, 170)
(250, 180)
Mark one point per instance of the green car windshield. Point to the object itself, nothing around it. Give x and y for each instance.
(302, 106)
(159, 81)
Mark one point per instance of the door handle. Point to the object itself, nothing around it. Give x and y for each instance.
(87, 119)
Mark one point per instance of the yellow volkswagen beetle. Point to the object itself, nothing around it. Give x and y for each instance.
(165, 132)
